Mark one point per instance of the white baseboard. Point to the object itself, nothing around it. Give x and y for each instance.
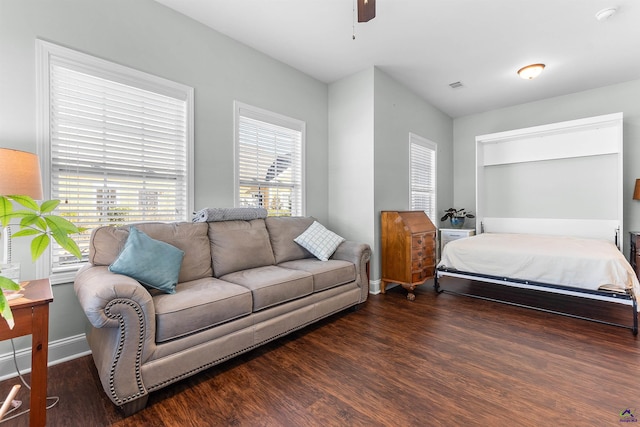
(59, 351)
(374, 287)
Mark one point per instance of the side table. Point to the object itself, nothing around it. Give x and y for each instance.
(450, 234)
(31, 315)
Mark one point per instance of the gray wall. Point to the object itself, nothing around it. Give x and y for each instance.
(370, 118)
(622, 97)
(147, 36)
(399, 111)
(351, 211)
(135, 34)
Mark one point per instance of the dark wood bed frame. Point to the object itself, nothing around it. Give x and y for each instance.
(624, 298)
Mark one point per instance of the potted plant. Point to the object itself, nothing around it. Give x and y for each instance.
(456, 216)
(38, 222)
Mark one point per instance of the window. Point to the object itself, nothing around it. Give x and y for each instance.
(115, 144)
(423, 175)
(268, 161)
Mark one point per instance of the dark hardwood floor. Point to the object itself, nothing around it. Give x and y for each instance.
(442, 360)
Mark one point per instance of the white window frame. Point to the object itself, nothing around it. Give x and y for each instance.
(45, 51)
(429, 145)
(241, 109)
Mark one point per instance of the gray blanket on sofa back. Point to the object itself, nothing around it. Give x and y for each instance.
(228, 214)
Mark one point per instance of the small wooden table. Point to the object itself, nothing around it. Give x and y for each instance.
(31, 315)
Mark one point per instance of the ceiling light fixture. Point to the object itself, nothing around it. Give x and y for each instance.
(605, 14)
(531, 71)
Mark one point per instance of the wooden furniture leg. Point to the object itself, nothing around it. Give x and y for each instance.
(410, 288)
(39, 353)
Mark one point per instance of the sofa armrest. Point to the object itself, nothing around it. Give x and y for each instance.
(122, 314)
(97, 288)
(359, 254)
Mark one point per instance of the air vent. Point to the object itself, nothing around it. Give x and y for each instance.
(455, 85)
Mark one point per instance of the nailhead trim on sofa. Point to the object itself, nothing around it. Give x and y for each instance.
(120, 320)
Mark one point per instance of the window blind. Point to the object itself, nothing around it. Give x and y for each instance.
(423, 175)
(118, 153)
(269, 162)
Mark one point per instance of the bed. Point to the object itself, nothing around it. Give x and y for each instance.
(587, 268)
(566, 239)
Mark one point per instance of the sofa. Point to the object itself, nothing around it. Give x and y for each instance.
(240, 284)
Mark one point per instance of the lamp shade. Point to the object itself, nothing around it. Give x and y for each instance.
(20, 174)
(636, 190)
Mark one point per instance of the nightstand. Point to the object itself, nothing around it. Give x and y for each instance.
(633, 253)
(450, 234)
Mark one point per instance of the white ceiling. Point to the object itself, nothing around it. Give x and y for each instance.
(428, 44)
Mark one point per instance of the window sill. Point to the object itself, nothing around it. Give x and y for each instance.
(65, 276)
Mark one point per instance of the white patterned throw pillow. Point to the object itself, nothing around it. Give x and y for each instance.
(319, 241)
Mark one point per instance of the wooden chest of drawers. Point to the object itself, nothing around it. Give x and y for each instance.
(408, 249)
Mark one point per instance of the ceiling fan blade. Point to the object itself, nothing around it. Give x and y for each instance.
(366, 10)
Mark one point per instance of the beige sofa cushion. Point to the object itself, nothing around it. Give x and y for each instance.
(239, 245)
(107, 243)
(198, 305)
(326, 274)
(282, 231)
(272, 285)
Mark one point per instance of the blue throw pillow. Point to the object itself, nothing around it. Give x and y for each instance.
(149, 261)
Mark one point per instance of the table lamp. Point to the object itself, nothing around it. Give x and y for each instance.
(19, 175)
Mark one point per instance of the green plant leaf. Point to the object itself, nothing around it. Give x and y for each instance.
(22, 212)
(69, 244)
(38, 246)
(5, 311)
(59, 224)
(6, 283)
(49, 206)
(41, 224)
(6, 208)
(28, 219)
(26, 201)
(26, 232)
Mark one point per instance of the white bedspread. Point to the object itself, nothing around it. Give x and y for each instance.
(568, 261)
